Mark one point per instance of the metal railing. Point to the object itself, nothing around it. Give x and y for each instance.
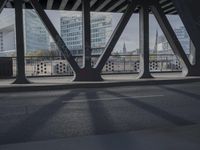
(58, 66)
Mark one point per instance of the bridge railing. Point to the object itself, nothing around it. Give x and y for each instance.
(58, 66)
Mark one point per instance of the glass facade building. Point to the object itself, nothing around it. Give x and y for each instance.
(35, 35)
(71, 32)
(182, 35)
(7, 32)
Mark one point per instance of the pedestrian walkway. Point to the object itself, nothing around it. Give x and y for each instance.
(54, 83)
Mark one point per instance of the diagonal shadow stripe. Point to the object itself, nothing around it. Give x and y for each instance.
(101, 119)
(154, 110)
(182, 92)
(24, 130)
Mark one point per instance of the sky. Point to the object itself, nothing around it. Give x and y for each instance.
(130, 35)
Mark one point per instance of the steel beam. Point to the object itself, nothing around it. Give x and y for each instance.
(21, 77)
(122, 9)
(54, 34)
(115, 5)
(77, 4)
(50, 4)
(190, 16)
(63, 4)
(2, 4)
(171, 37)
(92, 2)
(103, 5)
(8, 5)
(87, 73)
(115, 36)
(87, 51)
(144, 40)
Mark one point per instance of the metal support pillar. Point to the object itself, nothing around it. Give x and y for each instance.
(116, 35)
(171, 37)
(144, 40)
(87, 73)
(21, 77)
(190, 16)
(54, 34)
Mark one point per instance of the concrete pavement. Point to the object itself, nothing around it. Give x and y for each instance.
(56, 115)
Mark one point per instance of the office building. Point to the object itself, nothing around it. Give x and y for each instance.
(181, 33)
(35, 34)
(71, 32)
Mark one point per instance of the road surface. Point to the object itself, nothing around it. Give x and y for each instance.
(37, 116)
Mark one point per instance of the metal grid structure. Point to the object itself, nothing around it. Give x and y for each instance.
(117, 6)
(159, 8)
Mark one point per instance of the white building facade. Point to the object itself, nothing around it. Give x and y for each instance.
(182, 35)
(71, 32)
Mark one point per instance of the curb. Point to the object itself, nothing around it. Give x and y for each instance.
(79, 85)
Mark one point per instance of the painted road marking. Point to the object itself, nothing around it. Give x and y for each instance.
(109, 99)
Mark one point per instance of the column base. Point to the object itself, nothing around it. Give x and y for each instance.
(194, 71)
(21, 81)
(145, 76)
(85, 74)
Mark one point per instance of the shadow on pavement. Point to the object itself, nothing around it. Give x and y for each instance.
(25, 129)
(154, 110)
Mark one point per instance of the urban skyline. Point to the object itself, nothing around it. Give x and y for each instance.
(131, 33)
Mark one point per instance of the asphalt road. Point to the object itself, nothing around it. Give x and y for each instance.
(35, 116)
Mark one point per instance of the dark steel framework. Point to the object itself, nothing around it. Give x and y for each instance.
(144, 7)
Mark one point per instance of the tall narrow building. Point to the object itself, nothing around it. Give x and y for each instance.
(124, 48)
(156, 44)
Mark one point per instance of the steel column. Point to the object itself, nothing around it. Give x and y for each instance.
(115, 36)
(54, 34)
(171, 37)
(87, 73)
(144, 40)
(87, 51)
(21, 77)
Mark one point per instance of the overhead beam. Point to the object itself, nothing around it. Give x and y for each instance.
(116, 4)
(76, 5)
(101, 6)
(92, 2)
(50, 4)
(171, 36)
(9, 5)
(115, 36)
(54, 34)
(122, 9)
(63, 4)
(2, 4)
